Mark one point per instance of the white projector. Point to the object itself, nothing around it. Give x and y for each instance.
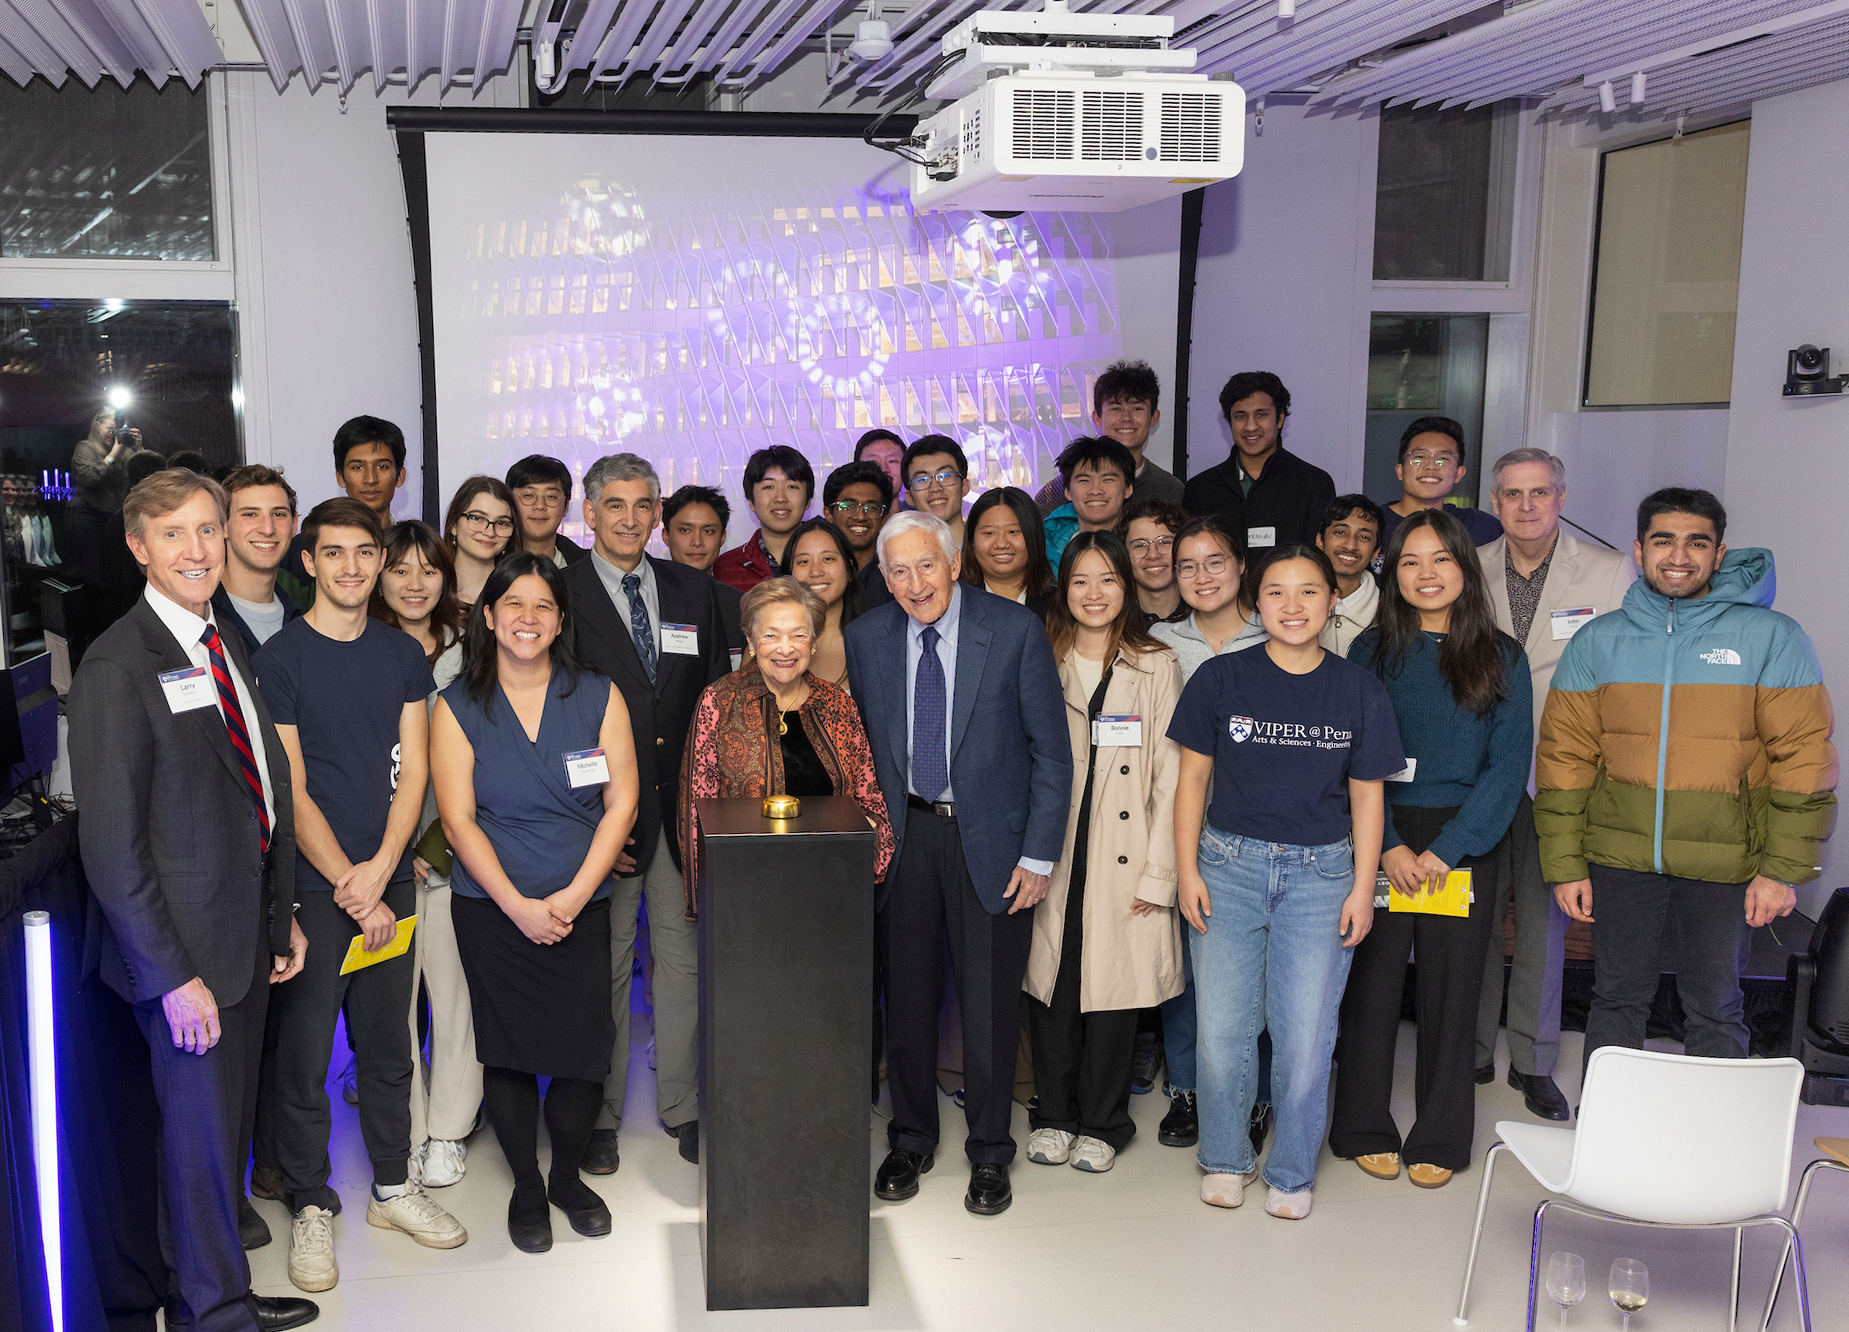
(1078, 141)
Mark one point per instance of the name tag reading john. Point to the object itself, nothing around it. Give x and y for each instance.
(1257, 537)
(683, 640)
(587, 767)
(1566, 623)
(1124, 730)
(188, 690)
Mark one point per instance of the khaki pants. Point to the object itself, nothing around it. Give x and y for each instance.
(447, 1107)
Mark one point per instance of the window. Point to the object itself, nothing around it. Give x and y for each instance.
(1666, 270)
(1444, 199)
(105, 171)
(1423, 365)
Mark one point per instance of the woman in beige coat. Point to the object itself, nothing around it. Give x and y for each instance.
(1107, 939)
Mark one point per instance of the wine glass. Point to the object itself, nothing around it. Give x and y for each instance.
(1630, 1287)
(1566, 1282)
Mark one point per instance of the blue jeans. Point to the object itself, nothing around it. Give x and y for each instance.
(1272, 957)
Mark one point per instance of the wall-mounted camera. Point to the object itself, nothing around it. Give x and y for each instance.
(1807, 372)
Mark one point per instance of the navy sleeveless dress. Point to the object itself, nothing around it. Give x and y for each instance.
(539, 1008)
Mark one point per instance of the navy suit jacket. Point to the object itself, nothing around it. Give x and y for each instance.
(1010, 755)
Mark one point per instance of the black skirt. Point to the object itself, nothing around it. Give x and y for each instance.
(538, 1008)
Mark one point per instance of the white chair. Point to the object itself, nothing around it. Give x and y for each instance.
(1835, 1157)
(1664, 1140)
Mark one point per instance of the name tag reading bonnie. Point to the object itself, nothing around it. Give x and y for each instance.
(1566, 623)
(188, 690)
(683, 640)
(1124, 730)
(1261, 536)
(587, 767)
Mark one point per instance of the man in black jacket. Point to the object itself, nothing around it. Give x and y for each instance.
(541, 487)
(1264, 490)
(653, 627)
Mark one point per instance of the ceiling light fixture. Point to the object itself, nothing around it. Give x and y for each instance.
(1784, 23)
(1637, 88)
(1608, 101)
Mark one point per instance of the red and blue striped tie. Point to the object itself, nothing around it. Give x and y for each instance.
(235, 727)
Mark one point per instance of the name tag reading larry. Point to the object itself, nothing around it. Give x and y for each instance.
(1124, 730)
(683, 640)
(1566, 623)
(189, 689)
(587, 767)
(1261, 536)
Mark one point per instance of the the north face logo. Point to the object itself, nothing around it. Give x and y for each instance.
(1239, 728)
(1721, 657)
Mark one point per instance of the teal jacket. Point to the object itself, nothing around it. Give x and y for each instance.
(1061, 525)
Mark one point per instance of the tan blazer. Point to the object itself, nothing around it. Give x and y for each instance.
(1129, 961)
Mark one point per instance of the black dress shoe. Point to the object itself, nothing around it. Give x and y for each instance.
(989, 1194)
(688, 1135)
(253, 1230)
(600, 1156)
(898, 1175)
(266, 1182)
(529, 1221)
(1258, 1128)
(582, 1207)
(273, 1314)
(1181, 1126)
(1487, 1075)
(1540, 1095)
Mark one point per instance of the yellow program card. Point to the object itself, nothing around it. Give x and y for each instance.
(1451, 900)
(358, 957)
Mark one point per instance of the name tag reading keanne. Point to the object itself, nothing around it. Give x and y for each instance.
(1566, 623)
(188, 690)
(1124, 730)
(1261, 536)
(683, 640)
(587, 767)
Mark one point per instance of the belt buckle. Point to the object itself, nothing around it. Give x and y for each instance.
(943, 809)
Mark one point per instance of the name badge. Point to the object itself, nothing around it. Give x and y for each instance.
(683, 640)
(1566, 623)
(188, 690)
(1405, 773)
(735, 655)
(587, 767)
(1261, 536)
(1124, 730)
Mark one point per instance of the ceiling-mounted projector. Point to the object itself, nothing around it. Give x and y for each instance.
(1081, 112)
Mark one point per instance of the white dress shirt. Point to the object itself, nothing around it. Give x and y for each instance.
(612, 576)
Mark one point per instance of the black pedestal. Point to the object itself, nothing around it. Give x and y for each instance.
(786, 979)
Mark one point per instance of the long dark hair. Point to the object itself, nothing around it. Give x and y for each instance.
(446, 615)
(1471, 658)
(1039, 569)
(854, 600)
(1128, 632)
(465, 496)
(480, 652)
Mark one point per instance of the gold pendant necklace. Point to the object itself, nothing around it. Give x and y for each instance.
(783, 724)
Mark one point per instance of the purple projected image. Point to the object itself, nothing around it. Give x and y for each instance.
(695, 326)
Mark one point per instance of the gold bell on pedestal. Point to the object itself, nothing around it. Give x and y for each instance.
(781, 807)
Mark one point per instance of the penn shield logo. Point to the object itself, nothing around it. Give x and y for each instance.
(1239, 728)
(1721, 657)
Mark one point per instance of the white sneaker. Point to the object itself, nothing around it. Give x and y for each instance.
(311, 1250)
(1288, 1206)
(1049, 1146)
(1092, 1155)
(1220, 1190)
(440, 1163)
(417, 1215)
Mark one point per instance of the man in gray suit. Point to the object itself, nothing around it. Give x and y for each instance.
(1543, 585)
(188, 840)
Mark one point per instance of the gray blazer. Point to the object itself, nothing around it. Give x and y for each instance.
(179, 884)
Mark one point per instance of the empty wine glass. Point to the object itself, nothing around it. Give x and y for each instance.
(1566, 1282)
(1630, 1287)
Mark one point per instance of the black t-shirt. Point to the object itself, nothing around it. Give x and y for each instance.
(345, 701)
(1284, 746)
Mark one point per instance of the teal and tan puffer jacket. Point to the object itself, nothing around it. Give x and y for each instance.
(1690, 738)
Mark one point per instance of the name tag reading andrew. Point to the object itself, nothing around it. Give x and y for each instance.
(587, 767)
(1566, 623)
(188, 690)
(1261, 536)
(683, 640)
(1124, 730)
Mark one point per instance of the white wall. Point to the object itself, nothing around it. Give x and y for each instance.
(1788, 460)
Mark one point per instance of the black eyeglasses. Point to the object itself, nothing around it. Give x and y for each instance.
(925, 480)
(871, 508)
(481, 522)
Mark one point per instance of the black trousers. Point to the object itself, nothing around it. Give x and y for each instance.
(377, 999)
(1631, 912)
(1450, 951)
(930, 901)
(205, 1102)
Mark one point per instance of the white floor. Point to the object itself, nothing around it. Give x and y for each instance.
(1131, 1248)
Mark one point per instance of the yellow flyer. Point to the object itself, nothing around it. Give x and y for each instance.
(1451, 900)
(358, 957)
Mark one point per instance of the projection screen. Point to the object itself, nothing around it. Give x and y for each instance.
(693, 297)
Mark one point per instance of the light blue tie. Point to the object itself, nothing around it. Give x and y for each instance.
(930, 767)
(638, 623)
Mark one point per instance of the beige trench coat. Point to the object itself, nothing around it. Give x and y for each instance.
(1129, 961)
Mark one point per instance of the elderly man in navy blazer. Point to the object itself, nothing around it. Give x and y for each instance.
(966, 716)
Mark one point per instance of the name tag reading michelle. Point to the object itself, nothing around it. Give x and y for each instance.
(1405, 773)
(188, 690)
(1261, 536)
(587, 767)
(683, 640)
(1124, 730)
(1566, 623)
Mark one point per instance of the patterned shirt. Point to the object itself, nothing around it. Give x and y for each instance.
(1525, 593)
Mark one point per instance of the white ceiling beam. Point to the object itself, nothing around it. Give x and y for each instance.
(1784, 22)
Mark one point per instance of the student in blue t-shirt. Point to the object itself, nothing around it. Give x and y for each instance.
(1465, 708)
(1277, 873)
